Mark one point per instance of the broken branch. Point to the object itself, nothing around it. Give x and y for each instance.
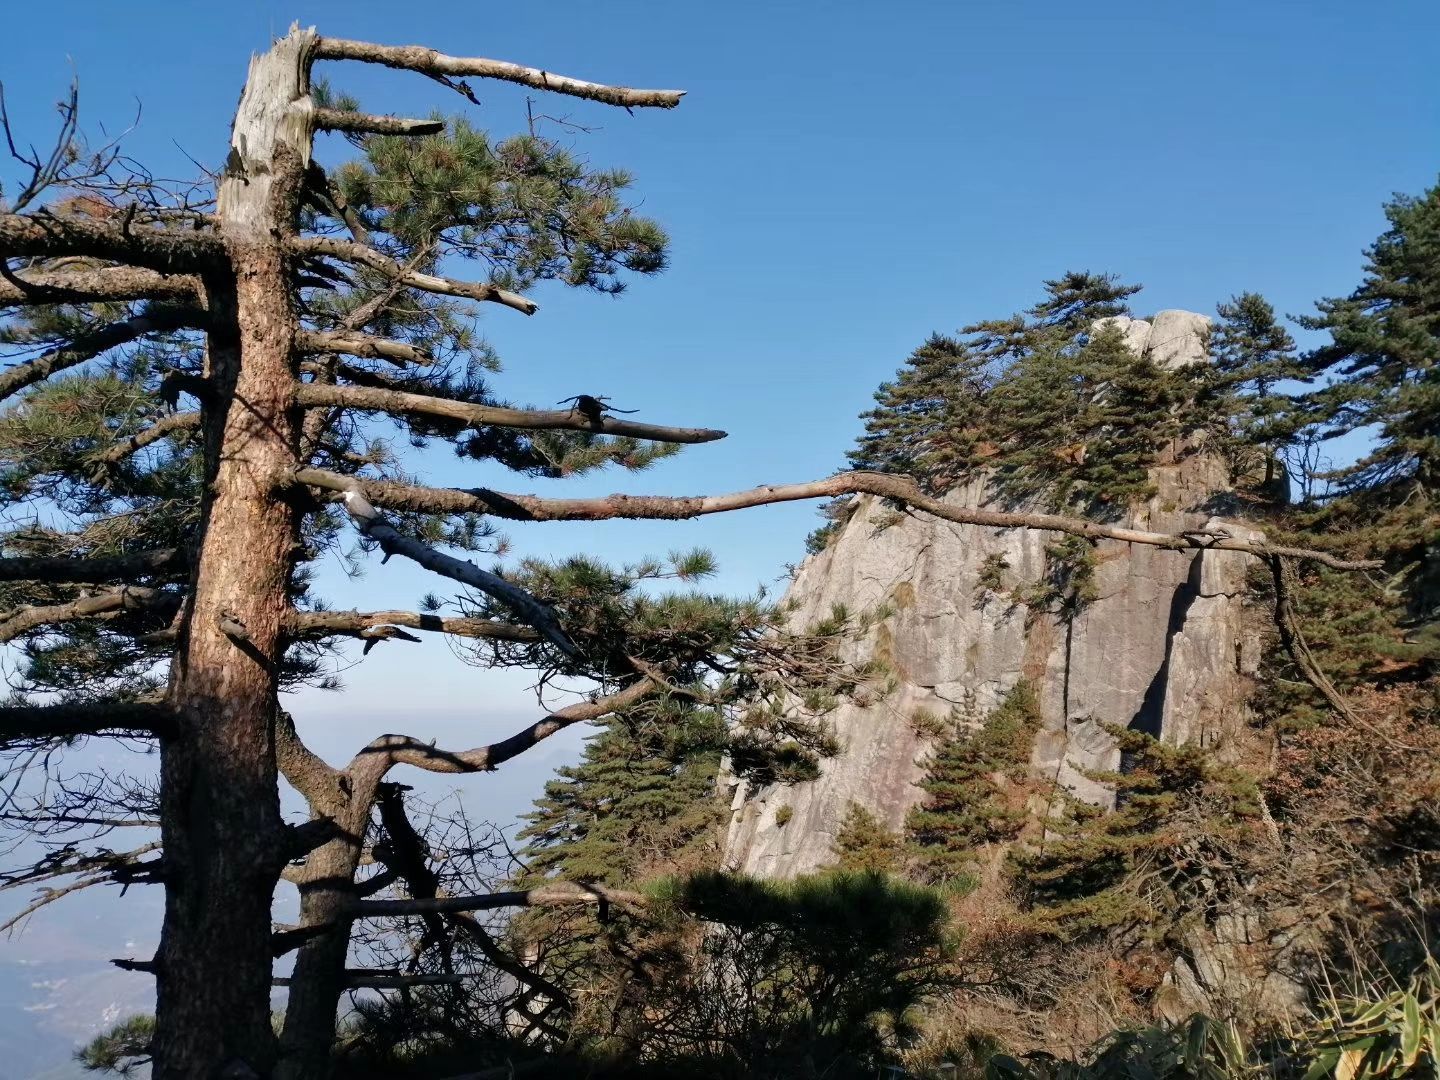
(366, 124)
(430, 62)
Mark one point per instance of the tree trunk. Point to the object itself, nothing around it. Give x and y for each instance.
(326, 895)
(223, 838)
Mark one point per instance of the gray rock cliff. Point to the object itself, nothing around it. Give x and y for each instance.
(1162, 648)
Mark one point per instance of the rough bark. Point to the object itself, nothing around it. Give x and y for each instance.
(398, 402)
(222, 833)
(901, 489)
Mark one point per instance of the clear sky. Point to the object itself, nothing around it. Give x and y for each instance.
(841, 179)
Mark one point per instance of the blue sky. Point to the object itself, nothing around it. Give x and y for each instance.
(841, 179)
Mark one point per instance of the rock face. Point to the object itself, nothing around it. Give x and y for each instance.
(1163, 648)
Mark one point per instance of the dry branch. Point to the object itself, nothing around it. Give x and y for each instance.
(88, 346)
(391, 750)
(529, 609)
(362, 345)
(559, 894)
(96, 570)
(101, 868)
(409, 497)
(166, 250)
(84, 718)
(319, 624)
(108, 604)
(352, 252)
(312, 395)
(88, 286)
(174, 424)
(433, 63)
(366, 124)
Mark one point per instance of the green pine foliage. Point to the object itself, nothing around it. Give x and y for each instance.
(1170, 801)
(1049, 410)
(124, 1049)
(832, 965)
(1384, 352)
(641, 799)
(526, 210)
(1249, 417)
(932, 420)
(865, 845)
(971, 783)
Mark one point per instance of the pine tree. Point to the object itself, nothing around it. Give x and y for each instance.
(1081, 879)
(963, 807)
(865, 844)
(1247, 416)
(641, 801)
(203, 401)
(932, 421)
(1048, 408)
(1384, 352)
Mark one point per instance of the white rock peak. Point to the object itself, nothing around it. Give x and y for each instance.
(1171, 339)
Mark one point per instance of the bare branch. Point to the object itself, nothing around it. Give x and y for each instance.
(429, 62)
(371, 348)
(146, 717)
(174, 424)
(96, 570)
(530, 610)
(166, 250)
(108, 604)
(358, 980)
(558, 894)
(365, 124)
(350, 251)
(101, 868)
(88, 346)
(901, 489)
(393, 750)
(312, 395)
(318, 624)
(87, 286)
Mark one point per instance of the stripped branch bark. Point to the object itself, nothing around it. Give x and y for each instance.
(430, 62)
(313, 395)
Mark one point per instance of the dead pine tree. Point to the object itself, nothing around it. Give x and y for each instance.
(200, 375)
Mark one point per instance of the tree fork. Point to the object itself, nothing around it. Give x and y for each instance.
(222, 832)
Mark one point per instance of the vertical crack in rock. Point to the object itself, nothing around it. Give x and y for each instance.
(1150, 716)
